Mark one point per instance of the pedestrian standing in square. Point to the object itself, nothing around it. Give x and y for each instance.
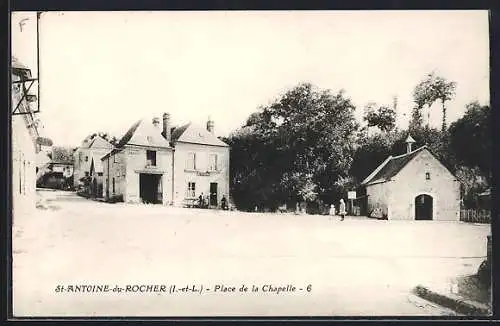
(332, 210)
(342, 211)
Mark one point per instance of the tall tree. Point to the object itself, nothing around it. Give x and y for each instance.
(443, 91)
(423, 94)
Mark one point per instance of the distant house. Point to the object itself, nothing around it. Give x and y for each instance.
(87, 163)
(60, 169)
(413, 186)
(165, 165)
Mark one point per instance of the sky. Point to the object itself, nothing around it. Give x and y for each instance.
(102, 71)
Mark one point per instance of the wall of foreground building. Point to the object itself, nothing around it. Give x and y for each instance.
(202, 179)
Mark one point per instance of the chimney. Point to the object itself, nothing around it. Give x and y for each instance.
(166, 126)
(210, 125)
(156, 122)
(409, 142)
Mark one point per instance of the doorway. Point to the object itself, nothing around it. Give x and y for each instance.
(94, 191)
(213, 194)
(423, 207)
(150, 188)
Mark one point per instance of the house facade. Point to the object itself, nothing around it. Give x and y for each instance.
(139, 169)
(155, 163)
(88, 164)
(413, 186)
(201, 165)
(25, 147)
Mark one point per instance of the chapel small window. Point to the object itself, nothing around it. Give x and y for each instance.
(427, 176)
(151, 158)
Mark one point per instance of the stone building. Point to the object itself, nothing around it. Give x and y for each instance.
(157, 163)
(413, 186)
(139, 169)
(88, 164)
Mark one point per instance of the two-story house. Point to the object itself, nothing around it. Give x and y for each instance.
(153, 164)
(87, 163)
(201, 164)
(139, 169)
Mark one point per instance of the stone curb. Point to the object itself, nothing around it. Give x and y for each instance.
(431, 306)
(455, 303)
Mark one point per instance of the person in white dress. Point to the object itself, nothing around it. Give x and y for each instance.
(342, 211)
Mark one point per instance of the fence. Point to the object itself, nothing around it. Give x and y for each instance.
(475, 215)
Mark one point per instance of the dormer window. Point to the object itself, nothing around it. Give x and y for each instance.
(427, 176)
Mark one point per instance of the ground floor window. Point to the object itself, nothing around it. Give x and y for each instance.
(113, 185)
(191, 190)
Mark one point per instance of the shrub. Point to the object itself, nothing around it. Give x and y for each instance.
(116, 199)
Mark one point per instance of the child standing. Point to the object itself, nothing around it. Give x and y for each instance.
(342, 211)
(332, 210)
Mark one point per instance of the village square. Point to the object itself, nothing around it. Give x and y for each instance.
(320, 206)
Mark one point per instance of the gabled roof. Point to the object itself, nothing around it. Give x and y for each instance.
(177, 132)
(99, 142)
(391, 166)
(193, 134)
(143, 134)
(96, 165)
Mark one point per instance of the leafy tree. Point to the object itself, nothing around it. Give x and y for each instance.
(423, 94)
(472, 183)
(444, 91)
(470, 138)
(371, 152)
(383, 117)
(294, 149)
(433, 88)
(112, 139)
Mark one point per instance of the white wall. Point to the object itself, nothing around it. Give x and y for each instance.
(114, 166)
(81, 166)
(23, 160)
(183, 176)
(411, 182)
(378, 195)
(136, 164)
